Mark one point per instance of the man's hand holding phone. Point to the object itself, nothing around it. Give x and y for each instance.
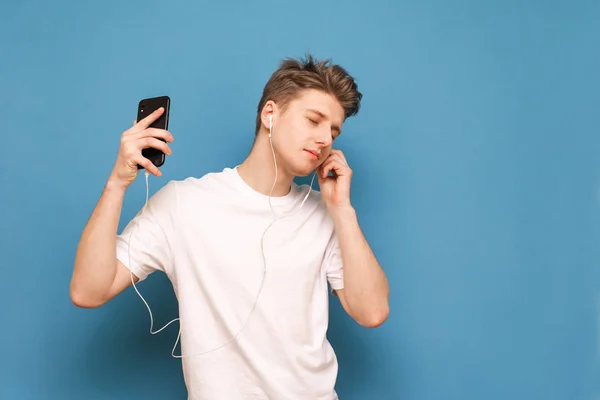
(133, 141)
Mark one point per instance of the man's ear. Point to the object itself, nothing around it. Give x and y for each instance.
(268, 111)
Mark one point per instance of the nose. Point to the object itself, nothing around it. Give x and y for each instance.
(324, 139)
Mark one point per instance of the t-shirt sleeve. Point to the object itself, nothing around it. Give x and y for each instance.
(333, 264)
(144, 245)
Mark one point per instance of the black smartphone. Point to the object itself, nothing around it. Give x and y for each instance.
(147, 107)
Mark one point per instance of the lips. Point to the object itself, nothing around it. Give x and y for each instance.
(314, 154)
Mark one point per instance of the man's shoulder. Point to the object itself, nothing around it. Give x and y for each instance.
(208, 181)
(194, 188)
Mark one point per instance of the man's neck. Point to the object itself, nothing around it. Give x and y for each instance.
(258, 171)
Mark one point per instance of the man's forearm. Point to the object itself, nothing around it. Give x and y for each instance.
(96, 262)
(366, 287)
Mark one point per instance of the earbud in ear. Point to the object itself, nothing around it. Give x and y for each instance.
(270, 124)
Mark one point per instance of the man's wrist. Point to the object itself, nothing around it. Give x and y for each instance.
(114, 186)
(342, 213)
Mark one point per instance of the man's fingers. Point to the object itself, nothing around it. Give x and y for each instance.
(148, 120)
(158, 133)
(326, 168)
(147, 165)
(340, 155)
(335, 166)
(150, 142)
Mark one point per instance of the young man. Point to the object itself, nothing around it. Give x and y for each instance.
(249, 252)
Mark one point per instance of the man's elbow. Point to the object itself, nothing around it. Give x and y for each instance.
(82, 300)
(375, 317)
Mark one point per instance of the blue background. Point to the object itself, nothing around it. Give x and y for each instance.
(477, 182)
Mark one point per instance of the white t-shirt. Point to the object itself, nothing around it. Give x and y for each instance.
(205, 235)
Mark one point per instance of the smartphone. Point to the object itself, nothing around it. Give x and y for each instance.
(147, 107)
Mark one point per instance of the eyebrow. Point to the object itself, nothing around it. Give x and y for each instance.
(320, 114)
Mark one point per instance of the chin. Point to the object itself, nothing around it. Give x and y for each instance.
(298, 166)
(303, 170)
(303, 174)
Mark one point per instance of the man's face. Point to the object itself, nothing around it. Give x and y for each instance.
(304, 132)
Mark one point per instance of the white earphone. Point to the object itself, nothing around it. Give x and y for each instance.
(270, 124)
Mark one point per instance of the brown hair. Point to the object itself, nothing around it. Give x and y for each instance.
(294, 75)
